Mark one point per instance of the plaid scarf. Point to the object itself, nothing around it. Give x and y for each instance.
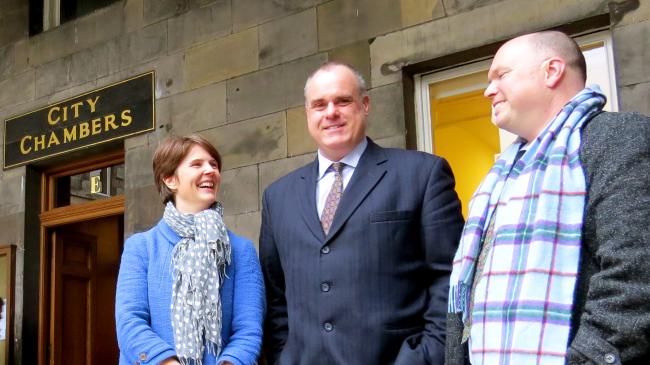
(199, 263)
(521, 312)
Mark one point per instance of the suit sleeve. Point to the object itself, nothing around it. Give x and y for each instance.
(276, 323)
(441, 223)
(615, 324)
(137, 340)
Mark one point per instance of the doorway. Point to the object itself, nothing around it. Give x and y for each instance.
(84, 264)
(82, 229)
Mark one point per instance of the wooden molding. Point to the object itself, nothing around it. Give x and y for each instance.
(83, 212)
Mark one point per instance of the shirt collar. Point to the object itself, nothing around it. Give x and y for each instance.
(351, 159)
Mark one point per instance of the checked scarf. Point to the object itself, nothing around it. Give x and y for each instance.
(521, 309)
(199, 263)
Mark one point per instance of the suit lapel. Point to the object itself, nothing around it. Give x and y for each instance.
(307, 197)
(367, 174)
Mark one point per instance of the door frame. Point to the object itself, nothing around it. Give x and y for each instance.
(51, 217)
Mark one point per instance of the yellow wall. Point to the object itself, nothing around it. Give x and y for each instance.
(464, 135)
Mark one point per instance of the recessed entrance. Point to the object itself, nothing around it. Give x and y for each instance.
(82, 233)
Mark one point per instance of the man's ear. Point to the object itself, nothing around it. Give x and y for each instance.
(554, 69)
(171, 182)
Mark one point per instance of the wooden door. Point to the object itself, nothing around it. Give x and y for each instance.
(74, 257)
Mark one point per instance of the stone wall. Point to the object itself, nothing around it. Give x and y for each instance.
(233, 70)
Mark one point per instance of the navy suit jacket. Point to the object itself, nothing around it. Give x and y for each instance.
(374, 290)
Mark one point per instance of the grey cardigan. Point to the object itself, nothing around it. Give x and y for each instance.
(611, 314)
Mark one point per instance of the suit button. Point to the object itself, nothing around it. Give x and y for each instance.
(328, 327)
(325, 287)
(143, 356)
(610, 358)
(325, 250)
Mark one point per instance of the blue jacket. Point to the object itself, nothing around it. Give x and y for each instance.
(143, 299)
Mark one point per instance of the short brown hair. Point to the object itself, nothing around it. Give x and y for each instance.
(169, 154)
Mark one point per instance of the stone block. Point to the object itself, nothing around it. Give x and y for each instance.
(138, 168)
(452, 34)
(200, 25)
(238, 190)
(299, 140)
(245, 225)
(12, 229)
(143, 209)
(72, 70)
(635, 98)
(288, 38)
(420, 11)
(632, 52)
(398, 141)
(17, 89)
(133, 15)
(140, 46)
(386, 117)
(355, 54)
(21, 55)
(270, 90)
(155, 10)
(98, 27)
(14, 23)
(628, 12)
(221, 59)
(13, 196)
(198, 109)
(6, 61)
(248, 13)
(271, 171)
(342, 22)
(460, 6)
(250, 141)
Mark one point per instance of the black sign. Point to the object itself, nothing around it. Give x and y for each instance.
(112, 112)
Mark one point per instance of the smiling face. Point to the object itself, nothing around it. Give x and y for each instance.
(195, 182)
(517, 89)
(336, 111)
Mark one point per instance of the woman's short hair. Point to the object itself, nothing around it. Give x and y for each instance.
(169, 154)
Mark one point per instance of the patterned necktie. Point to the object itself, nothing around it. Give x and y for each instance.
(333, 198)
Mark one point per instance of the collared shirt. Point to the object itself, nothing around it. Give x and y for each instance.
(326, 173)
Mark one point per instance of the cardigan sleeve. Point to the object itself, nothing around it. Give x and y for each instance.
(245, 341)
(137, 340)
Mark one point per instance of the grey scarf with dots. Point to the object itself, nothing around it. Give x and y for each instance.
(199, 263)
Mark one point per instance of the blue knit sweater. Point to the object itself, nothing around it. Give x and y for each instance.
(143, 299)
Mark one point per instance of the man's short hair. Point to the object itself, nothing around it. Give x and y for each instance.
(560, 44)
(361, 82)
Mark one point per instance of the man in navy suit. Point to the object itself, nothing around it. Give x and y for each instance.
(356, 247)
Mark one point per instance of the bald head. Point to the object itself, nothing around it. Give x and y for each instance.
(557, 44)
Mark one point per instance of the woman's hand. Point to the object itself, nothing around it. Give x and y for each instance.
(170, 361)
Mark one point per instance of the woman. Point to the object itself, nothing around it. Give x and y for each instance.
(188, 290)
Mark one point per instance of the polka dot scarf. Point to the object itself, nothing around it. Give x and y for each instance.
(199, 263)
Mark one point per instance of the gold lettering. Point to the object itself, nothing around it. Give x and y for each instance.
(109, 120)
(92, 103)
(84, 130)
(24, 150)
(126, 117)
(65, 113)
(53, 140)
(95, 184)
(75, 108)
(39, 142)
(70, 135)
(97, 127)
(51, 120)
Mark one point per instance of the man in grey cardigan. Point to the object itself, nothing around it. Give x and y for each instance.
(553, 265)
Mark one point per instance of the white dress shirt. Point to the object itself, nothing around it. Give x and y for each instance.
(326, 173)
